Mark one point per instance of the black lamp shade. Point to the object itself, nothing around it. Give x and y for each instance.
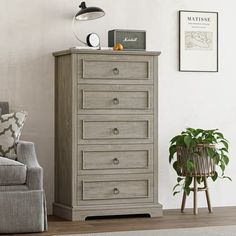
(89, 13)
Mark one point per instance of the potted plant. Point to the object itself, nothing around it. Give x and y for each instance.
(198, 153)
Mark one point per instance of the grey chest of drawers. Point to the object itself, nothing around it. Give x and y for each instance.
(106, 159)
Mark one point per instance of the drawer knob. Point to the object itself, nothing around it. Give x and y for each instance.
(115, 101)
(116, 71)
(116, 161)
(116, 191)
(115, 131)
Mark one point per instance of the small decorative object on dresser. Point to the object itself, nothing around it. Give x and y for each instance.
(118, 47)
(130, 39)
(106, 133)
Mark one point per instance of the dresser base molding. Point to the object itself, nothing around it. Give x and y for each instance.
(81, 214)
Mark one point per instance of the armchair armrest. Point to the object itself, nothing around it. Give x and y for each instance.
(26, 155)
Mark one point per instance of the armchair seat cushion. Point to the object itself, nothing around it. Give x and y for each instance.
(12, 172)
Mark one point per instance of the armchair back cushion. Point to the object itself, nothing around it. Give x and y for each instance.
(10, 129)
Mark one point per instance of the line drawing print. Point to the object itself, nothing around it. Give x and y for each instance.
(198, 40)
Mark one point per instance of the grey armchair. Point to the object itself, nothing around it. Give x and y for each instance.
(22, 199)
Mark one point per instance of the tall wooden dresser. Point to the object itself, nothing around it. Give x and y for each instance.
(106, 158)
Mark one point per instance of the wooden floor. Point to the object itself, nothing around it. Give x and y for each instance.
(171, 219)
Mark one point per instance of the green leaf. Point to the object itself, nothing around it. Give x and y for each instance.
(225, 159)
(177, 185)
(222, 166)
(187, 191)
(188, 181)
(215, 176)
(191, 132)
(199, 131)
(220, 135)
(173, 140)
(216, 158)
(199, 180)
(176, 166)
(187, 140)
(172, 151)
(225, 144)
(190, 165)
(176, 193)
(226, 177)
(224, 150)
(179, 179)
(180, 141)
(210, 152)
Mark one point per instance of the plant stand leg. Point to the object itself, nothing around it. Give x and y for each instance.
(195, 209)
(207, 195)
(183, 202)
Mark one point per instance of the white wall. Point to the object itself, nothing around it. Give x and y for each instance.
(32, 30)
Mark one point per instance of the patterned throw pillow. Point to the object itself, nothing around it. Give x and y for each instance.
(10, 129)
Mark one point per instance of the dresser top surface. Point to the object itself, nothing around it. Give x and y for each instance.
(104, 52)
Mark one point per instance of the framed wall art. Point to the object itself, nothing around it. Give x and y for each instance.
(198, 41)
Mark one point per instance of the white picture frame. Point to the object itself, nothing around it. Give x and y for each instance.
(198, 41)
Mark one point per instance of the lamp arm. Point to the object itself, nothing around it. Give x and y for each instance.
(73, 30)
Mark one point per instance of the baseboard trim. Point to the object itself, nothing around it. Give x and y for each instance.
(75, 214)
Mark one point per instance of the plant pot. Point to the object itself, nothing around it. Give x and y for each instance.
(202, 164)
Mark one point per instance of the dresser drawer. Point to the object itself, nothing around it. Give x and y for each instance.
(115, 99)
(106, 159)
(115, 129)
(98, 189)
(114, 67)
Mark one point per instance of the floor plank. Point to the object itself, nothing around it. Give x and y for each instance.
(171, 219)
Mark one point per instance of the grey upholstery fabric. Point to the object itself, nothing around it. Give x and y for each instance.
(22, 212)
(12, 172)
(4, 107)
(26, 155)
(23, 207)
(12, 188)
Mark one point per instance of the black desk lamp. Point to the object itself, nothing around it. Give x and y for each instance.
(84, 14)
